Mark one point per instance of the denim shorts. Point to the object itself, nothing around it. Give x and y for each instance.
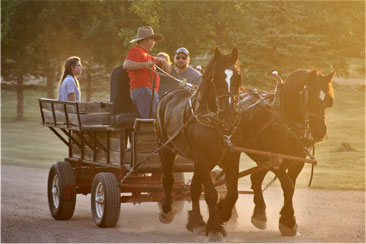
(141, 97)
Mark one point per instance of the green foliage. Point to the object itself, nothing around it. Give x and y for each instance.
(271, 35)
(17, 42)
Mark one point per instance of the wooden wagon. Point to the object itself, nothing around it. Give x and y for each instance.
(105, 159)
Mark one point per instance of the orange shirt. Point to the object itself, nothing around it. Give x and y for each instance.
(141, 77)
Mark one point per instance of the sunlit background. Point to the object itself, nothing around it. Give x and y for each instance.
(37, 36)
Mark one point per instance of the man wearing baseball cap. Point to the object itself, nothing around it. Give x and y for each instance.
(182, 71)
(139, 64)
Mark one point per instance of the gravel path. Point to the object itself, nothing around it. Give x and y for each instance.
(322, 216)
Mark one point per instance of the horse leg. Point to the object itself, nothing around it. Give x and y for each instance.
(214, 229)
(231, 168)
(166, 214)
(259, 218)
(287, 222)
(195, 220)
(294, 171)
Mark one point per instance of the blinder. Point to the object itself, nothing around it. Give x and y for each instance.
(308, 114)
(228, 94)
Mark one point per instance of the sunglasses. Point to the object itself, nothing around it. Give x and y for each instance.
(180, 57)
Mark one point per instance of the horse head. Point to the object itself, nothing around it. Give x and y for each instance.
(320, 97)
(308, 95)
(220, 85)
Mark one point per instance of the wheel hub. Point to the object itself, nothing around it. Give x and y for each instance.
(55, 191)
(99, 200)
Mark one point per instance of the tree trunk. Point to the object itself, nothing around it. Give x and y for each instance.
(20, 98)
(88, 87)
(50, 87)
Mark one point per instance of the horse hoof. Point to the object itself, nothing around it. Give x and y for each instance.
(200, 230)
(260, 224)
(215, 237)
(166, 218)
(286, 231)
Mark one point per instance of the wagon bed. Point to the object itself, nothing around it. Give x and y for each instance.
(99, 147)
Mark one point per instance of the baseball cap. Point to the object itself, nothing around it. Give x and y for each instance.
(182, 50)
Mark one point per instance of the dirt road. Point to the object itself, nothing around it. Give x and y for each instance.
(322, 216)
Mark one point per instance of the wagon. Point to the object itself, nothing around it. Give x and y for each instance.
(112, 162)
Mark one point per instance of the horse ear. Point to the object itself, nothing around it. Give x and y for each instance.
(330, 77)
(312, 76)
(235, 54)
(217, 52)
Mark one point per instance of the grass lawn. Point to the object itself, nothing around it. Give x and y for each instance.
(28, 143)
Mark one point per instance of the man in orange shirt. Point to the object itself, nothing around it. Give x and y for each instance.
(139, 64)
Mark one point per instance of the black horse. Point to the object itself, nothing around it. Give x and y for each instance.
(289, 123)
(201, 124)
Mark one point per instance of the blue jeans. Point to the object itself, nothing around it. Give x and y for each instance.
(141, 97)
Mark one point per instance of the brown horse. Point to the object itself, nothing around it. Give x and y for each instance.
(291, 126)
(203, 122)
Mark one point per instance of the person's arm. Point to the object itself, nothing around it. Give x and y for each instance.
(72, 97)
(162, 63)
(132, 65)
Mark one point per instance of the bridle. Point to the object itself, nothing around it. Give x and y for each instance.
(301, 129)
(204, 116)
(228, 94)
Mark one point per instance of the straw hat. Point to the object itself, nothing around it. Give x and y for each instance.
(146, 32)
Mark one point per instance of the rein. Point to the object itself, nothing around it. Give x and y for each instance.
(213, 121)
(296, 130)
(301, 131)
(163, 73)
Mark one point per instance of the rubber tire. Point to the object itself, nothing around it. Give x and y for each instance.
(177, 205)
(66, 208)
(112, 200)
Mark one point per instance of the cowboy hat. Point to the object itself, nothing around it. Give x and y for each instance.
(146, 32)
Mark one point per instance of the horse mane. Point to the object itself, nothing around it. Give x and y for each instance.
(300, 76)
(205, 88)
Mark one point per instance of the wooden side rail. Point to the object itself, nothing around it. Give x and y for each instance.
(144, 141)
(75, 115)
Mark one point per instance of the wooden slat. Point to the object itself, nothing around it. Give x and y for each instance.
(146, 146)
(48, 117)
(114, 144)
(143, 136)
(60, 118)
(101, 155)
(94, 107)
(71, 108)
(59, 107)
(46, 106)
(154, 159)
(95, 119)
(144, 125)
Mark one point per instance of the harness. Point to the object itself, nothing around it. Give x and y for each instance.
(201, 112)
(300, 132)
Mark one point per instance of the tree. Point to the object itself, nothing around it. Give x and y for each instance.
(19, 23)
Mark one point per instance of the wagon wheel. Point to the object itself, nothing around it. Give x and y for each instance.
(61, 191)
(177, 205)
(105, 200)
